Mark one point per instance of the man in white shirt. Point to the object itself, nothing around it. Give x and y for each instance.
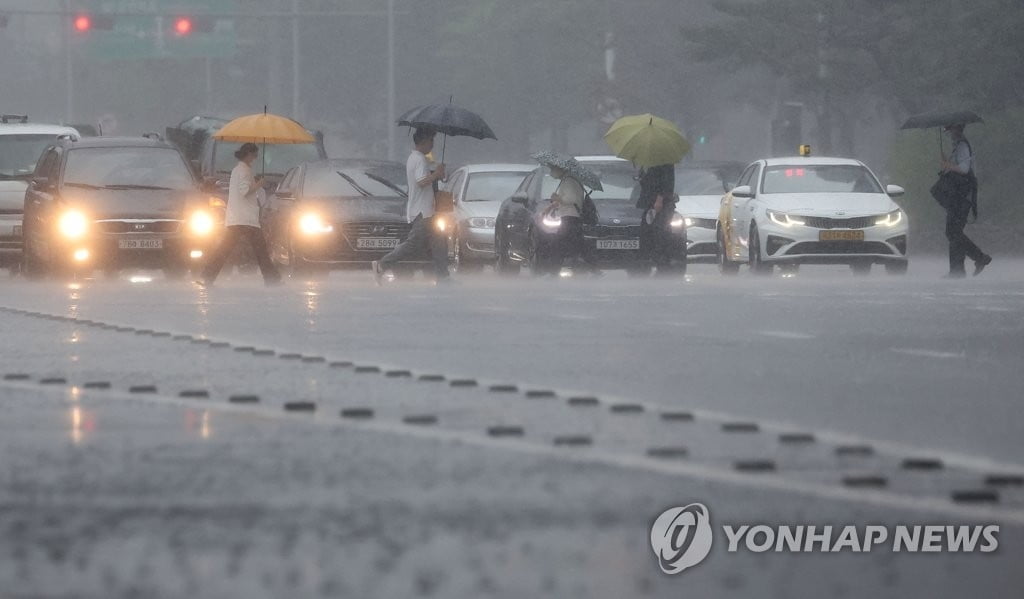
(423, 237)
(960, 167)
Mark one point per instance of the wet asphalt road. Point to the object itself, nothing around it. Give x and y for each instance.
(502, 438)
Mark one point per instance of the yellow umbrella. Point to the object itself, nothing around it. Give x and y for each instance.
(264, 129)
(647, 140)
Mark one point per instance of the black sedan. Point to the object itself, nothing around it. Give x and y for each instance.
(524, 237)
(336, 214)
(111, 203)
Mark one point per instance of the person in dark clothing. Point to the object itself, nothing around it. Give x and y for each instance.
(242, 220)
(959, 167)
(658, 201)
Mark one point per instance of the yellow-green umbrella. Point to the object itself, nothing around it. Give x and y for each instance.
(647, 140)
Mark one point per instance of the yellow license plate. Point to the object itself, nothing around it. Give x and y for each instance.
(841, 236)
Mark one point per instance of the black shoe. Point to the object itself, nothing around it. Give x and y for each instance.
(980, 265)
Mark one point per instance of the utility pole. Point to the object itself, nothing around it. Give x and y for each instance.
(391, 80)
(296, 60)
(69, 70)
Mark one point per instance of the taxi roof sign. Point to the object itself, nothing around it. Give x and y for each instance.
(805, 150)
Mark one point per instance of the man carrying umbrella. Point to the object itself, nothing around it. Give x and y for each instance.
(423, 237)
(959, 168)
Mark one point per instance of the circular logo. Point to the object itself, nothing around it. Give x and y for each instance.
(681, 537)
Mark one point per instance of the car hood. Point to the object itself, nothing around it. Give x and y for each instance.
(103, 204)
(12, 194)
(832, 204)
(359, 209)
(705, 206)
(624, 211)
(484, 208)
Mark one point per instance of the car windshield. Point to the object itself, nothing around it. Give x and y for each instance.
(702, 182)
(819, 179)
(127, 167)
(20, 153)
(275, 159)
(348, 182)
(492, 186)
(617, 182)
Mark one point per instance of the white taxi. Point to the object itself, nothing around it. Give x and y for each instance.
(809, 210)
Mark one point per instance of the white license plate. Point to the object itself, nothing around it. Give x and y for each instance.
(140, 244)
(376, 243)
(618, 244)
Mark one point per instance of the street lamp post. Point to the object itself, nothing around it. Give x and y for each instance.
(391, 80)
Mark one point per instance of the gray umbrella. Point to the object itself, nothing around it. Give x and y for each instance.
(572, 167)
(448, 119)
(941, 119)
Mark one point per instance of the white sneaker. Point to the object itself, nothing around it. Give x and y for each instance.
(378, 272)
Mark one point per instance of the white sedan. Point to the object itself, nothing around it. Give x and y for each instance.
(790, 211)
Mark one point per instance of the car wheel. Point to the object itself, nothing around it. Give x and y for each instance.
(897, 268)
(757, 263)
(861, 269)
(505, 265)
(725, 265)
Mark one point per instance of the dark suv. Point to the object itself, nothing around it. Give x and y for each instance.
(109, 203)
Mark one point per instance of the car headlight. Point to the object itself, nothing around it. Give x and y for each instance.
(890, 220)
(441, 223)
(678, 221)
(312, 224)
(201, 223)
(479, 222)
(552, 222)
(73, 224)
(785, 220)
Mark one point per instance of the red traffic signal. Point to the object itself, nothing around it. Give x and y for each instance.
(83, 23)
(183, 26)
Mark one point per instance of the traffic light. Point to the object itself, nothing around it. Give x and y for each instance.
(84, 22)
(183, 26)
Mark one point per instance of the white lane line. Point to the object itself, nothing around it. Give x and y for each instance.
(591, 456)
(927, 353)
(786, 335)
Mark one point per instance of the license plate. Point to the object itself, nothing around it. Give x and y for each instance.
(618, 244)
(140, 244)
(376, 243)
(17, 230)
(841, 236)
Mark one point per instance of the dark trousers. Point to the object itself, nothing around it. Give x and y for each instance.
(232, 236)
(424, 239)
(572, 247)
(960, 246)
(656, 241)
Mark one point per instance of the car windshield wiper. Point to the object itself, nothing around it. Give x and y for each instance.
(353, 183)
(82, 185)
(142, 187)
(388, 184)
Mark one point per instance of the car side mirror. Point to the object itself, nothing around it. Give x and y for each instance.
(520, 198)
(743, 191)
(894, 191)
(728, 186)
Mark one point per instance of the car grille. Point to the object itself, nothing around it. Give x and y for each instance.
(10, 242)
(823, 222)
(386, 230)
(147, 226)
(839, 247)
(704, 223)
(11, 211)
(602, 231)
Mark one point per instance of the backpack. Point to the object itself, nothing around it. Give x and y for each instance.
(589, 213)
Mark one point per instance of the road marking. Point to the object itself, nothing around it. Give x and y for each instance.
(928, 353)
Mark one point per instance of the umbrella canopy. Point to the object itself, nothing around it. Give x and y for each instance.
(448, 119)
(265, 129)
(572, 167)
(647, 140)
(941, 119)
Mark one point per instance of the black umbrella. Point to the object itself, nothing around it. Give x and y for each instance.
(930, 120)
(941, 119)
(448, 119)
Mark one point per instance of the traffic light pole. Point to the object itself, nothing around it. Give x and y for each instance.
(69, 70)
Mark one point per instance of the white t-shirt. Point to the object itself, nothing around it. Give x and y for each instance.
(421, 199)
(243, 198)
(571, 193)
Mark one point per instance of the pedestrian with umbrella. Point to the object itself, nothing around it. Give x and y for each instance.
(427, 235)
(568, 205)
(655, 145)
(242, 219)
(957, 188)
